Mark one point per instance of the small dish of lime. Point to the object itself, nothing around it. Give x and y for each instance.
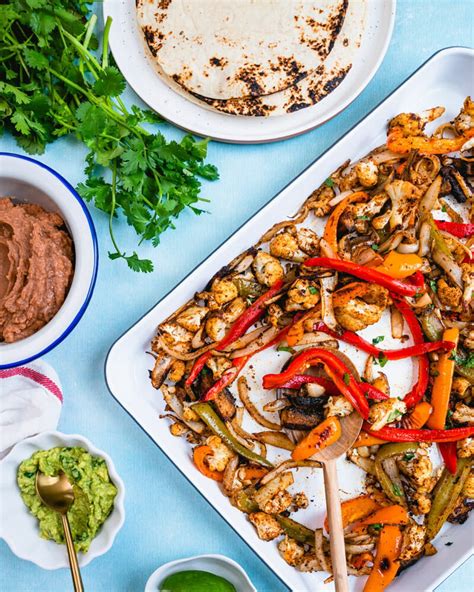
(204, 573)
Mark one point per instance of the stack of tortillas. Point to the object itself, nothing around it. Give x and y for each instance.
(252, 57)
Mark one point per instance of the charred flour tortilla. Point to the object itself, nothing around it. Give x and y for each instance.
(308, 91)
(234, 49)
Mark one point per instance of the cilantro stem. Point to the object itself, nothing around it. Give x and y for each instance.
(112, 209)
(89, 30)
(105, 43)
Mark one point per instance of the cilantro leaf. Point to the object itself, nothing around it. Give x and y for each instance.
(137, 264)
(110, 83)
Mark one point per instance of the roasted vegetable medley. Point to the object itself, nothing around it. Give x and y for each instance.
(398, 241)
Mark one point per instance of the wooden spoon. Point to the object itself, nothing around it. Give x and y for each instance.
(350, 426)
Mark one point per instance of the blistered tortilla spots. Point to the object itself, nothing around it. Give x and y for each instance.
(218, 62)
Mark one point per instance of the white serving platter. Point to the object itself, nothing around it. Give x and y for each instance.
(445, 79)
(134, 61)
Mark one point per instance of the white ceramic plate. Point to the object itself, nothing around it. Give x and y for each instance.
(216, 564)
(132, 59)
(19, 528)
(443, 80)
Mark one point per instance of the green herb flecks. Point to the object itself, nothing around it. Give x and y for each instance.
(285, 348)
(54, 82)
(378, 339)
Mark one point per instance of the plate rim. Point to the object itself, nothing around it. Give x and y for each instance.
(268, 137)
(462, 558)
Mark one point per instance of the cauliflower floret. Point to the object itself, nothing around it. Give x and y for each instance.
(271, 490)
(268, 270)
(192, 317)
(189, 414)
(278, 504)
(412, 124)
(309, 563)
(367, 173)
(216, 327)
(449, 295)
(338, 406)
(218, 366)
(421, 503)
(308, 241)
(460, 387)
(223, 290)
(466, 448)
(267, 527)
(468, 488)
(404, 197)
(463, 414)
(465, 120)
(285, 246)
(469, 341)
(291, 552)
(221, 454)
(178, 429)
(468, 281)
(176, 337)
(300, 501)
(386, 412)
(419, 470)
(176, 371)
(414, 537)
(302, 295)
(358, 305)
(319, 200)
(274, 314)
(234, 310)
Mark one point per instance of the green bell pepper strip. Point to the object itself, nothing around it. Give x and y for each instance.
(384, 453)
(432, 326)
(216, 425)
(445, 496)
(295, 530)
(244, 502)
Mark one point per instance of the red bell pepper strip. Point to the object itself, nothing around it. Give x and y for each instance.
(401, 435)
(239, 328)
(372, 392)
(390, 354)
(227, 378)
(450, 456)
(337, 370)
(417, 279)
(456, 228)
(419, 389)
(364, 273)
(299, 379)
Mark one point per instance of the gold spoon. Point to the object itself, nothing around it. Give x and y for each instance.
(57, 493)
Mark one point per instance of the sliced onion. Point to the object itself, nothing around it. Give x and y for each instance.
(392, 243)
(450, 267)
(362, 571)
(428, 201)
(276, 405)
(243, 264)
(246, 339)
(335, 200)
(256, 344)
(182, 356)
(160, 370)
(384, 156)
(175, 404)
(328, 285)
(244, 395)
(277, 439)
(230, 473)
(274, 230)
(424, 240)
(457, 242)
(319, 549)
(356, 549)
(197, 340)
(287, 465)
(396, 322)
(408, 248)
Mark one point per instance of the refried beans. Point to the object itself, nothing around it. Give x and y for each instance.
(36, 268)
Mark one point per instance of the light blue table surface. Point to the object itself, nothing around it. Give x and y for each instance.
(166, 518)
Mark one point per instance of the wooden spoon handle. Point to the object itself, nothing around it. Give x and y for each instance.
(75, 572)
(336, 531)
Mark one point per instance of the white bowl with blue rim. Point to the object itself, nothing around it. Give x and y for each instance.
(219, 565)
(28, 180)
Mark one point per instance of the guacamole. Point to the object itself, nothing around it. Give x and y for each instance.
(94, 493)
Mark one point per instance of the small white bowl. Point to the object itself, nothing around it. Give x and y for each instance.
(216, 564)
(31, 181)
(20, 529)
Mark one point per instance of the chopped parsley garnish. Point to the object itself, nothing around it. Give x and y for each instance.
(364, 218)
(313, 290)
(444, 209)
(393, 415)
(433, 286)
(376, 526)
(378, 339)
(347, 378)
(329, 182)
(375, 247)
(382, 360)
(464, 361)
(409, 456)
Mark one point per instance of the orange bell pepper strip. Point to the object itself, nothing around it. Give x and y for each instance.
(400, 143)
(418, 417)
(330, 230)
(355, 509)
(365, 439)
(360, 560)
(199, 456)
(389, 515)
(386, 562)
(442, 383)
(320, 437)
(250, 473)
(400, 266)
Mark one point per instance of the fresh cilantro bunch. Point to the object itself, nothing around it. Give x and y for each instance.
(54, 81)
